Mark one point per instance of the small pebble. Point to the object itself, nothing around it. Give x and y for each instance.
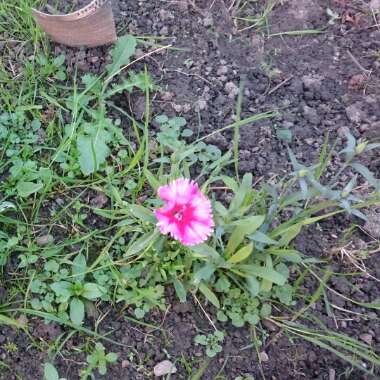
(208, 21)
(264, 357)
(366, 338)
(270, 325)
(231, 89)
(45, 240)
(164, 31)
(354, 113)
(372, 226)
(201, 105)
(222, 70)
(163, 368)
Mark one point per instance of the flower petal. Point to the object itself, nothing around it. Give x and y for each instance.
(186, 214)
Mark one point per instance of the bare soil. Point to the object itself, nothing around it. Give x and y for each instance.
(319, 83)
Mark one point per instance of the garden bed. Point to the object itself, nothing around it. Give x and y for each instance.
(315, 65)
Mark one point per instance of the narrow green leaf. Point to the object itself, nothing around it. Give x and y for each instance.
(324, 157)
(66, 322)
(290, 255)
(366, 173)
(266, 285)
(315, 219)
(262, 238)
(371, 147)
(263, 272)
(220, 209)
(243, 191)
(328, 346)
(79, 267)
(204, 273)
(289, 234)
(230, 183)
(152, 180)
(241, 254)
(142, 213)
(141, 243)
(243, 228)
(4, 320)
(351, 141)
(209, 294)
(205, 251)
(370, 305)
(253, 285)
(76, 311)
(180, 290)
(7, 206)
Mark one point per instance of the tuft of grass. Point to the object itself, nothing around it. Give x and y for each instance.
(17, 23)
(302, 32)
(25, 64)
(356, 353)
(52, 318)
(252, 14)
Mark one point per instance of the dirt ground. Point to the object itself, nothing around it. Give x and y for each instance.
(319, 83)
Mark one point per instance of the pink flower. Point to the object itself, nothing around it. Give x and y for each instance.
(186, 214)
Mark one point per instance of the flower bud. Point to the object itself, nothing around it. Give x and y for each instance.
(360, 147)
(302, 173)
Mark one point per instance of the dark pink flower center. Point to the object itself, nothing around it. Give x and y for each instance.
(182, 215)
(178, 215)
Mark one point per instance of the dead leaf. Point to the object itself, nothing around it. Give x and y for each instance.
(163, 368)
(357, 82)
(350, 17)
(99, 201)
